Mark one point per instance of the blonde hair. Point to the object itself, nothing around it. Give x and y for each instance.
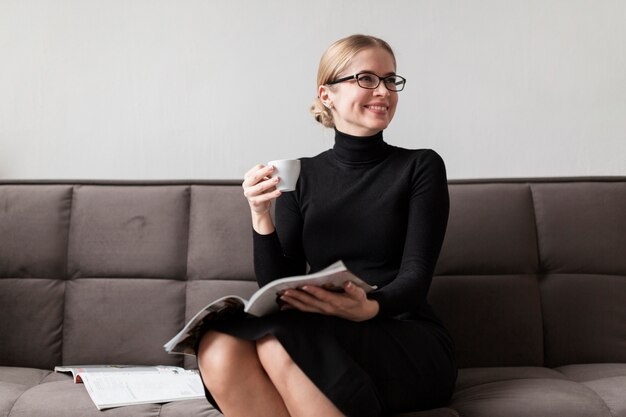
(334, 60)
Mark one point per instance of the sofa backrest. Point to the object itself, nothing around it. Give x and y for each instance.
(532, 272)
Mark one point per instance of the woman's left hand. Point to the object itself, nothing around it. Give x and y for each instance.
(352, 304)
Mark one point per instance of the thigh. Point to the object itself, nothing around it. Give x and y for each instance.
(383, 358)
(403, 357)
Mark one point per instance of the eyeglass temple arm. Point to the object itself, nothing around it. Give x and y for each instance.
(340, 80)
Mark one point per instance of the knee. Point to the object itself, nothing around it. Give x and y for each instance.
(274, 358)
(219, 355)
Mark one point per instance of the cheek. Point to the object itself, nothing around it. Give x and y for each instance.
(360, 97)
(393, 104)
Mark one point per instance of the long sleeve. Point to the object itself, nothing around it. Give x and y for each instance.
(280, 254)
(427, 221)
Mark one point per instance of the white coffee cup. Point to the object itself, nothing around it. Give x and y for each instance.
(288, 170)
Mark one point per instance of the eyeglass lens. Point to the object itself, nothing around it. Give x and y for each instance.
(392, 82)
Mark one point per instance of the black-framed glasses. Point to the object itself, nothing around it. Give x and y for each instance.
(372, 81)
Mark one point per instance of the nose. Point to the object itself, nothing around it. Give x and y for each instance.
(381, 90)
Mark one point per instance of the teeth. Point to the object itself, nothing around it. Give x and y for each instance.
(381, 108)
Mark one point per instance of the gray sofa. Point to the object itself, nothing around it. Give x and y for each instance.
(531, 282)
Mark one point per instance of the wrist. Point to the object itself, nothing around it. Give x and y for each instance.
(374, 309)
(262, 223)
(371, 309)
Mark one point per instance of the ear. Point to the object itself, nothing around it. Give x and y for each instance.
(324, 93)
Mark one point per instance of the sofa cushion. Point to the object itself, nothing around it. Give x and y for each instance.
(495, 319)
(191, 408)
(31, 312)
(530, 394)
(34, 223)
(15, 381)
(28, 377)
(9, 393)
(584, 318)
(127, 231)
(67, 399)
(590, 372)
(436, 412)
(122, 321)
(220, 234)
(606, 380)
(471, 377)
(27, 392)
(491, 230)
(582, 227)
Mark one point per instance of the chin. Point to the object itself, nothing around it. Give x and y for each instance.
(377, 127)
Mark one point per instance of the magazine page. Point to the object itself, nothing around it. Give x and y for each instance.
(76, 370)
(185, 341)
(264, 301)
(122, 388)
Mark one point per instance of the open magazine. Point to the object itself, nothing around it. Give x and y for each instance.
(120, 385)
(264, 301)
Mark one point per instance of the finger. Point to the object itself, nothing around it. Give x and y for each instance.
(264, 198)
(251, 174)
(256, 174)
(258, 169)
(308, 299)
(323, 294)
(354, 291)
(261, 187)
(299, 305)
(253, 169)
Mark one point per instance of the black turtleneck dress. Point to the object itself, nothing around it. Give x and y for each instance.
(383, 210)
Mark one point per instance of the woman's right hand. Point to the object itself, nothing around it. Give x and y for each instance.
(260, 189)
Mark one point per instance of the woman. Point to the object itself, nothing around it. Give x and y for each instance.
(381, 209)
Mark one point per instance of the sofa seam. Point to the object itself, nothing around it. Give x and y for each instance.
(518, 379)
(44, 377)
(190, 191)
(16, 400)
(540, 273)
(67, 271)
(186, 293)
(590, 389)
(556, 379)
(533, 200)
(69, 227)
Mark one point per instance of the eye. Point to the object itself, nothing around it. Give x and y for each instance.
(366, 78)
(393, 80)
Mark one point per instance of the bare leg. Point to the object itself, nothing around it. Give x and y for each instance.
(299, 393)
(233, 374)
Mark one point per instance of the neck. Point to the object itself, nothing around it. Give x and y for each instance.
(360, 150)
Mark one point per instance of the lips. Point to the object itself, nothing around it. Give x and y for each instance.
(377, 108)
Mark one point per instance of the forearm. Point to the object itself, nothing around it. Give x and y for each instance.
(278, 256)
(262, 223)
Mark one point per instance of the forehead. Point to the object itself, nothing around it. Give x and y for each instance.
(377, 60)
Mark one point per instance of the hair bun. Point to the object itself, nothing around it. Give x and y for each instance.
(322, 114)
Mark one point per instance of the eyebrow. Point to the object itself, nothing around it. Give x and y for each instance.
(374, 72)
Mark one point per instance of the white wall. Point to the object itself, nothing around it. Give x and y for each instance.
(181, 89)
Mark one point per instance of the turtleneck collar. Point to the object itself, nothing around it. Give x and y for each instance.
(360, 150)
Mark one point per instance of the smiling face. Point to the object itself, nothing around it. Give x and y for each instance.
(359, 111)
